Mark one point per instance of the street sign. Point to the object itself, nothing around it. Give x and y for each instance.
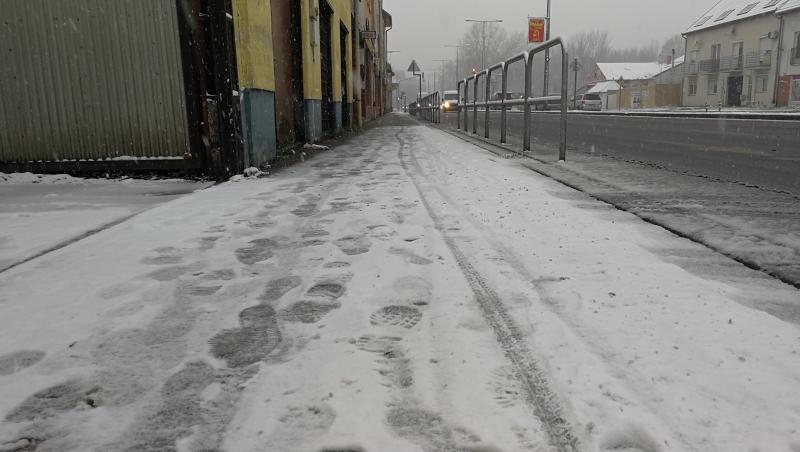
(369, 35)
(536, 29)
(414, 67)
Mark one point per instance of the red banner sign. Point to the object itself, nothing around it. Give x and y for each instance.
(536, 29)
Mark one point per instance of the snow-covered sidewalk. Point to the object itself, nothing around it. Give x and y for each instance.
(404, 291)
(39, 212)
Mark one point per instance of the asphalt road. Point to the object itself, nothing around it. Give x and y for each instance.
(764, 153)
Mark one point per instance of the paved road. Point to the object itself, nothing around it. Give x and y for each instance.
(765, 153)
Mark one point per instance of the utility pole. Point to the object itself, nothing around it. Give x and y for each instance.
(547, 52)
(458, 73)
(483, 36)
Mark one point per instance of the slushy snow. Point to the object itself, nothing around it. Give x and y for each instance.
(405, 291)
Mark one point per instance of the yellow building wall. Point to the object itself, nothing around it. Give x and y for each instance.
(254, 50)
(312, 68)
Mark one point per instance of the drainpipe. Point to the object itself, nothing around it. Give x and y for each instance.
(778, 63)
(686, 64)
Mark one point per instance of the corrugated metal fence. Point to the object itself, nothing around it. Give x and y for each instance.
(90, 80)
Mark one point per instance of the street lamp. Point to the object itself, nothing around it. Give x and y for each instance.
(458, 48)
(483, 36)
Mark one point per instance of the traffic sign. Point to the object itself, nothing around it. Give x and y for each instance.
(414, 67)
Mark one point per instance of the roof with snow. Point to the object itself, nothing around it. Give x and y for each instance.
(634, 71)
(727, 11)
(789, 5)
(603, 87)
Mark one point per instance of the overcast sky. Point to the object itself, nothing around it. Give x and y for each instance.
(422, 27)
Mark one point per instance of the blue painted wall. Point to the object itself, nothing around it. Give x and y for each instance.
(313, 116)
(337, 117)
(258, 127)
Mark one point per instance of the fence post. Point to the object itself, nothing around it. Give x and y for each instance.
(503, 106)
(526, 134)
(562, 145)
(466, 103)
(475, 105)
(487, 95)
(459, 87)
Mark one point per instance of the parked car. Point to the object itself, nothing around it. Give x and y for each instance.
(450, 101)
(589, 101)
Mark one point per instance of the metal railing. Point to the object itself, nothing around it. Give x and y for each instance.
(759, 59)
(466, 105)
(428, 108)
(731, 63)
(709, 66)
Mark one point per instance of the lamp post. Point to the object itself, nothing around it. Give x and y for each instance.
(483, 36)
(458, 48)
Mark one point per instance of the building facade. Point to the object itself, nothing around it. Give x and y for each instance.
(788, 85)
(644, 85)
(731, 55)
(208, 86)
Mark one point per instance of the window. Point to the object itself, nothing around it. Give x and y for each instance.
(738, 49)
(747, 8)
(694, 56)
(795, 91)
(713, 86)
(771, 3)
(716, 51)
(761, 83)
(797, 44)
(692, 86)
(723, 15)
(702, 21)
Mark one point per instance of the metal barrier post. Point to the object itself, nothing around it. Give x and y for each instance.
(504, 112)
(466, 102)
(498, 66)
(475, 104)
(526, 129)
(459, 88)
(440, 111)
(562, 145)
(504, 103)
(487, 90)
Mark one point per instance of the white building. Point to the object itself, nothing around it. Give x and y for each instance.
(788, 86)
(731, 54)
(645, 85)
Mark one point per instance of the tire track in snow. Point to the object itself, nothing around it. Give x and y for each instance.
(544, 402)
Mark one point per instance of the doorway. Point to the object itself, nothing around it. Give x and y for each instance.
(219, 73)
(326, 61)
(734, 91)
(288, 53)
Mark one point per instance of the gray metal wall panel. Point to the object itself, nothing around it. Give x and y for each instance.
(90, 80)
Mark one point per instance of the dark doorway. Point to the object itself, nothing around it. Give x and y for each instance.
(326, 61)
(343, 36)
(224, 129)
(735, 88)
(288, 52)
